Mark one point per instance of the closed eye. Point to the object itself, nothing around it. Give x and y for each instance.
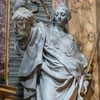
(57, 14)
(20, 23)
(63, 14)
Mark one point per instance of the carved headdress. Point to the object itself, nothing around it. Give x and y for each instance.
(60, 2)
(56, 3)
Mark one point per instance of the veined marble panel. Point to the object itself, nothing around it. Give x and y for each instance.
(98, 31)
(2, 32)
(83, 26)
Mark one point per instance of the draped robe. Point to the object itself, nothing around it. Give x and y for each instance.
(56, 57)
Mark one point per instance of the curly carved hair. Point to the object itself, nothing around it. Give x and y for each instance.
(23, 14)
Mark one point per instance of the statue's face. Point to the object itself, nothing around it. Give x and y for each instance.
(23, 27)
(60, 16)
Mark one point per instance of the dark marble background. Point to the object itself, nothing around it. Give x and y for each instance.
(2, 32)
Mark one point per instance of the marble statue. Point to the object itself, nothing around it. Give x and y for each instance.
(52, 67)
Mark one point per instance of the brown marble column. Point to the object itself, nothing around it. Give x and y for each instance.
(98, 31)
(84, 26)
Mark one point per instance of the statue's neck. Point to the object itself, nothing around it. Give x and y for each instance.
(58, 28)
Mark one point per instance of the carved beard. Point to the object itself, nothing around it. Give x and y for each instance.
(22, 35)
(22, 32)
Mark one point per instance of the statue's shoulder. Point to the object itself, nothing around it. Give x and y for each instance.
(70, 36)
(71, 40)
(41, 25)
(39, 29)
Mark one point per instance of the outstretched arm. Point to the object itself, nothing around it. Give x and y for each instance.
(20, 3)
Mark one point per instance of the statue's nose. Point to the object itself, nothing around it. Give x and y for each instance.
(24, 25)
(59, 18)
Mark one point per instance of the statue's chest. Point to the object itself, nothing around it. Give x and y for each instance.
(58, 40)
